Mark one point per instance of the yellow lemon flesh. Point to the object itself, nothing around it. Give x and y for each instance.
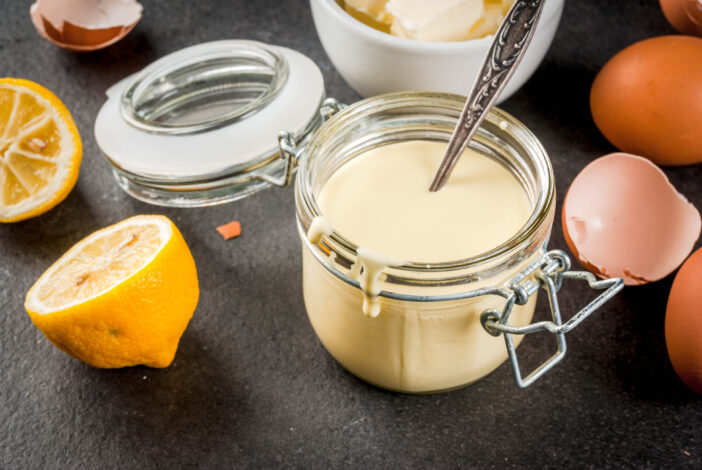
(40, 150)
(121, 296)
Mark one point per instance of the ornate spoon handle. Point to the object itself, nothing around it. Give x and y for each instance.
(506, 51)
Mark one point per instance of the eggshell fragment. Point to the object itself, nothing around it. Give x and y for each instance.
(84, 25)
(623, 218)
(647, 101)
(683, 323)
(684, 15)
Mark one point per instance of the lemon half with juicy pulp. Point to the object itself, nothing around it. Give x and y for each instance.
(121, 296)
(40, 150)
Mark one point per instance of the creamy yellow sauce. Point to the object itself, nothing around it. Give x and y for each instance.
(380, 201)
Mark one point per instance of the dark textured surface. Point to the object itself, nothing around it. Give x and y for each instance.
(251, 386)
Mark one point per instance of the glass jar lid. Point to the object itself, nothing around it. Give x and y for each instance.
(199, 126)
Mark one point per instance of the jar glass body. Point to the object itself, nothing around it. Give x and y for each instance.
(428, 336)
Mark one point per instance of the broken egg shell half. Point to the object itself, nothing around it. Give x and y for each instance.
(84, 25)
(623, 218)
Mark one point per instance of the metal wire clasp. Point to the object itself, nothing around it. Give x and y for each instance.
(547, 273)
(289, 145)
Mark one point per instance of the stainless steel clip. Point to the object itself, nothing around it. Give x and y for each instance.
(288, 145)
(547, 273)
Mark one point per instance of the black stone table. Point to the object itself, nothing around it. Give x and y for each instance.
(251, 386)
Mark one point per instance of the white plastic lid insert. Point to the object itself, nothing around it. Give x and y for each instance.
(200, 126)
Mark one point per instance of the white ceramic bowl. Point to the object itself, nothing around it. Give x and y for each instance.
(373, 62)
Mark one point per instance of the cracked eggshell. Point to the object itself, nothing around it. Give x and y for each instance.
(84, 25)
(683, 323)
(622, 218)
(684, 15)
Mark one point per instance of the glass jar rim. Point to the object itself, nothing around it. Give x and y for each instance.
(507, 124)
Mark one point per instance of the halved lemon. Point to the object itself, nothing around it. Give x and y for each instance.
(40, 150)
(121, 296)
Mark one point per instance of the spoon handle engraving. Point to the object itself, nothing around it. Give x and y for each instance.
(506, 51)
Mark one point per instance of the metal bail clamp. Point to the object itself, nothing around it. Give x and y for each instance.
(547, 273)
(288, 144)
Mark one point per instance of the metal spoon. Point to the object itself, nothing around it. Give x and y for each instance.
(506, 51)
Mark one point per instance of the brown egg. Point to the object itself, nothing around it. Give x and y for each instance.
(684, 15)
(623, 218)
(683, 323)
(647, 100)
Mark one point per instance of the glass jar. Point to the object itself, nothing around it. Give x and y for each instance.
(199, 127)
(439, 323)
